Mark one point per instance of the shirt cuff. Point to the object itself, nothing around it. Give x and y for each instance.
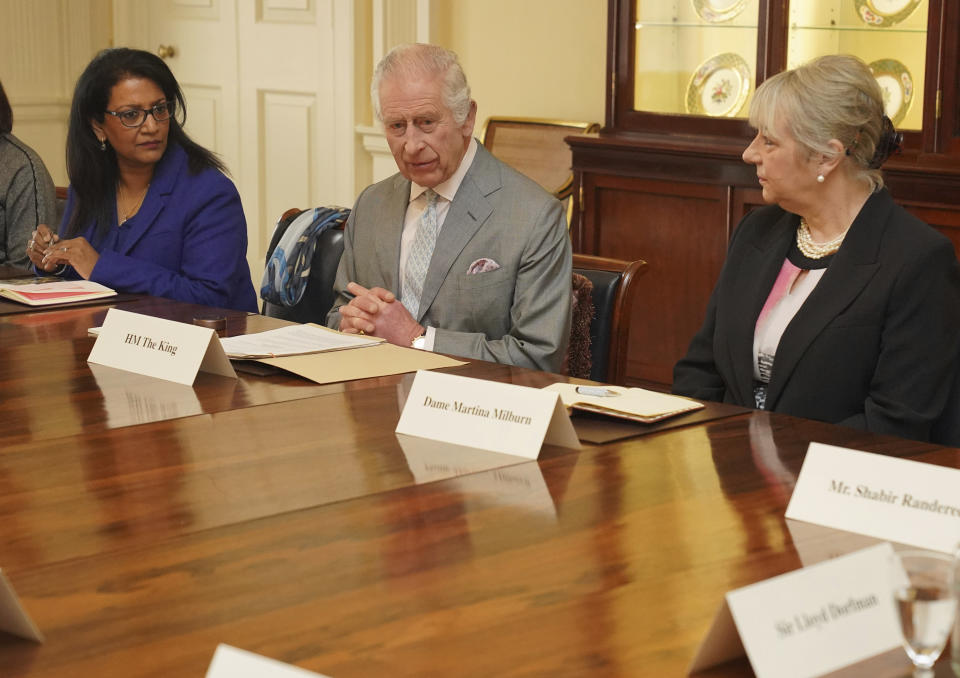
(429, 338)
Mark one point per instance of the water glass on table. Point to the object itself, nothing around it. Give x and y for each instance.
(926, 602)
(955, 639)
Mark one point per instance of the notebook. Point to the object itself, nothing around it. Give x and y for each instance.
(633, 404)
(43, 292)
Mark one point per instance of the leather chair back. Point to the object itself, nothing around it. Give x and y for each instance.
(614, 292)
(61, 203)
(319, 295)
(606, 284)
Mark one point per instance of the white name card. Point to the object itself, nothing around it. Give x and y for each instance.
(898, 500)
(487, 415)
(159, 348)
(231, 662)
(13, 618)
(808, 622)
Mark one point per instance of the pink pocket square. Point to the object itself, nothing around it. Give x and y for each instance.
(482, 266)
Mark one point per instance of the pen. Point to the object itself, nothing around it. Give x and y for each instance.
(599, 391)
(50, 241)
(51, 238)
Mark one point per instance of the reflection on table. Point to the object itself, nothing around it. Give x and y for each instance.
(141, 529)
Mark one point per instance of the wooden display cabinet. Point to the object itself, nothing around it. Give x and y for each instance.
(664, 180)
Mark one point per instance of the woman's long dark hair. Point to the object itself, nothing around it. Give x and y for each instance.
(6, 112)
(94, 173)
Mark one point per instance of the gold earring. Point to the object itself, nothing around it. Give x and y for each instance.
(103, 144)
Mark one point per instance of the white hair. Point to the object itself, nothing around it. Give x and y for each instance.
(830, 97)
(421, 59)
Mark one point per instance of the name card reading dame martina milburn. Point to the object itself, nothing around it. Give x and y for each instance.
(486, 415)
(808, 622)
(159, 348)
(898, 500)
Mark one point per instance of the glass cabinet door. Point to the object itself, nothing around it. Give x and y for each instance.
(889, 35)
(695, 57)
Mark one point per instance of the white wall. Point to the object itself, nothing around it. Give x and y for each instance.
(534, 58)
(44, 45)
(531, 58)
(524, 58)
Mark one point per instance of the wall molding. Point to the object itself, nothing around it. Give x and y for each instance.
(395, 22)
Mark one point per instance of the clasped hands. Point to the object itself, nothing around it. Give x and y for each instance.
(379, 313)
(46, 251)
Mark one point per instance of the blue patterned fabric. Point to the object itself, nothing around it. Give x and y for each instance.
(288, 270)
(421, 251)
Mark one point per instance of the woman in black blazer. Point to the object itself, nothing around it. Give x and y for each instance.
(834, 303)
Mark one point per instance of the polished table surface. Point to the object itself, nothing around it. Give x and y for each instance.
(49, 391)
(142, 526)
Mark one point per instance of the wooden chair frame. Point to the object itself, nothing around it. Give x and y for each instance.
(488, 132)
(622, 308)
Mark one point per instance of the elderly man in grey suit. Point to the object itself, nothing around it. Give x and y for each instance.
(458, 253)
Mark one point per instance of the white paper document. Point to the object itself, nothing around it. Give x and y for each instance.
(292, 340)
(231, 662)
(899, 500)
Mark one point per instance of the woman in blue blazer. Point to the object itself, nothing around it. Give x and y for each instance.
(149, 211)
(834, 304)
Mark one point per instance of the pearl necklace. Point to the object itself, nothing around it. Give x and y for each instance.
(122, 218)
(812, 249)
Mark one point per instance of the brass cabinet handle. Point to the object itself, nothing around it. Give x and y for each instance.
(166, 51)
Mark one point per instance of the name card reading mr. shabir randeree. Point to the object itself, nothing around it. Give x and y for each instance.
(485, 414)
(899, 500)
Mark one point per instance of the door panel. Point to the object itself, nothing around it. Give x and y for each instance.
(270, 87)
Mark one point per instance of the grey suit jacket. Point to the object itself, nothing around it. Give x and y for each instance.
(518, 314)
(27, 199)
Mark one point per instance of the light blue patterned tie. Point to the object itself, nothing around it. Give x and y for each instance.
(421, 251)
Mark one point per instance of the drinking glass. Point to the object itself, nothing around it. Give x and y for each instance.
(955, 639)
(926, 603)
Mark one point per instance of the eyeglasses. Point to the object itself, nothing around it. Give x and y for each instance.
(134, 117)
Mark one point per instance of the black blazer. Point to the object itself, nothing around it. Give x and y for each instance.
(874, 346)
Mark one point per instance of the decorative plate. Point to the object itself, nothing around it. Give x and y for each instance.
(884, 13)
(716, 11)
(897, 85)
(719, 86)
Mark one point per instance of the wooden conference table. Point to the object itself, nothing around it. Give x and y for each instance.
(142, 523)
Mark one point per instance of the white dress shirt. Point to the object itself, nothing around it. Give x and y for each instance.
(418, 204)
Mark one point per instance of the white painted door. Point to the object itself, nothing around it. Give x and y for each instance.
(297, 102)
(197, 39)
(270, 87)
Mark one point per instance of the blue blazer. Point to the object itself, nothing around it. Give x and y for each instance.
(188, 241)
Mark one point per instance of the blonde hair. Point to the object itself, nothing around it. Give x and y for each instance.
(830, 97)
(424, 59)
